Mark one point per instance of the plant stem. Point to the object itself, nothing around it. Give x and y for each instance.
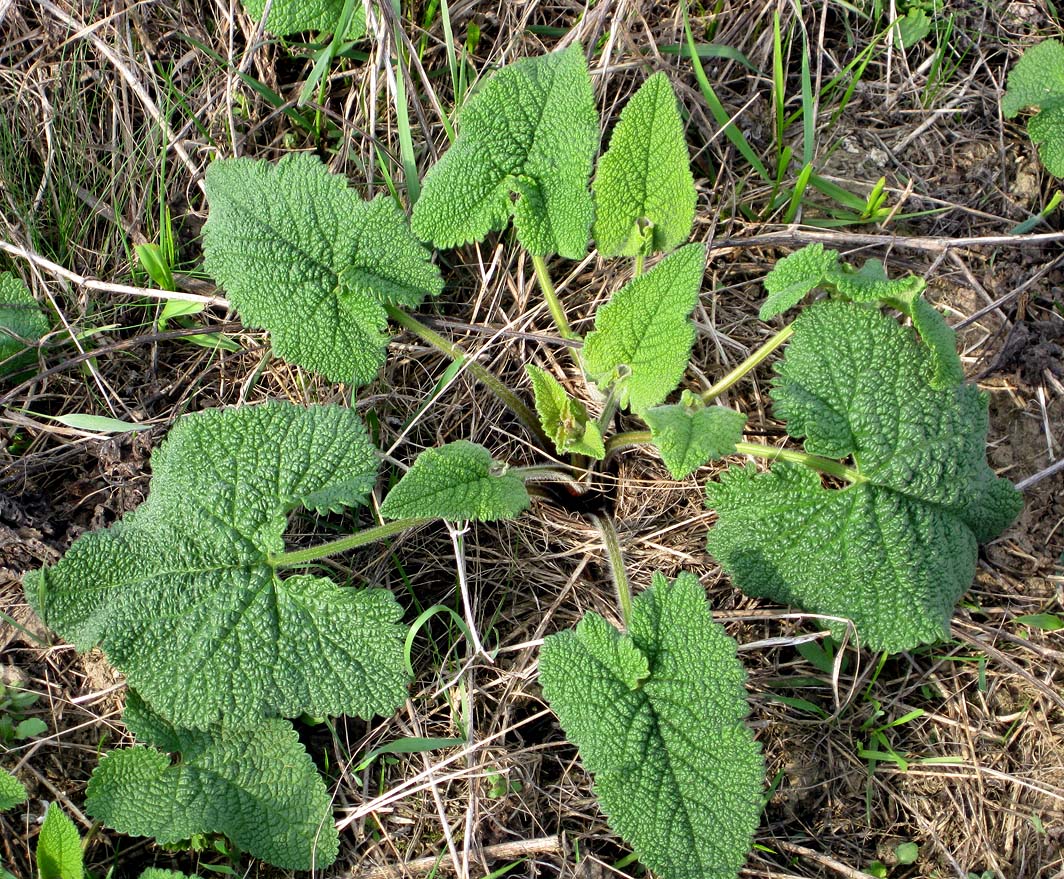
(815, 462)
(343, 544)
(616, 559)
(487, 378)
(639, 259)
(629, 438)
(823, 465)
(747, 365)
(539, 265)
(609, 408)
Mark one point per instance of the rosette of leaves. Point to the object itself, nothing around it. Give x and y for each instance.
(525, 146)
(300, 254)
(658, 715)
(895, 548)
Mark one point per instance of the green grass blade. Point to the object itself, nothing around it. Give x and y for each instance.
(719, 113)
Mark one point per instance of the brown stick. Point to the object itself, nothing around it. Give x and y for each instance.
(544, 845)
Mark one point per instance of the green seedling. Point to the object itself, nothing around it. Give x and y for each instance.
(14, 725)
(22, 323)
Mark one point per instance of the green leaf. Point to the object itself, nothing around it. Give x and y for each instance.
(12, 791)
(27, 729)
(940, 339)
(794, 276)
(1047, 622)
(564, 419)
(156, 873)
(895, 551)
(301, 255)
(181, 593)
(529, 134)
(59, 847)
(907, 852)
(21, 321)
(100, 423)
(870, 283)
(644, 191)
(643, 337)
(293, 16)
(658, 717)
(455, 482)
(1037, 80)
(256, 785)
(1047, 133)
(689, 433)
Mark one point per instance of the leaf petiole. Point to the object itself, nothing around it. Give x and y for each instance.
(814, 462)
(486, 377)
(749, 364)
(616, 559)
(343, 544)
(546, 286)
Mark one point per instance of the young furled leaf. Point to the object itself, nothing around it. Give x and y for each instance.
(564, 419)
(182, 593)
(525, 145)
(689, 433)
(301, 255)
(642, 338)
(21, 321)
(644, 191)
(894, 550)
(59, 847)
(794, 276)
(871, 284)
(657, 714)
(293, 16)
(455, 482)
(12, 791)
(256, 785)
(1037, 81)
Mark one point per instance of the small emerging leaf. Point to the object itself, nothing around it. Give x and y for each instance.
(657, 714)
(643, 336)
(870, 283)
(301, 255)
(183, 588)
(644, 191)
(794, 276)
(257, 785)
(455, 482)
(59, 847)
(293, 16)
(12, 791)
(531, 132)
(564, 419)
(689, 433)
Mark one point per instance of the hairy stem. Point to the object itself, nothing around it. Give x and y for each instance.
(616, 559)
(629, 438)
(822, 465)
(343, 544)
(639, 260)
(815, 462)
(483, 375)
(749, 364)
(546, 286)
